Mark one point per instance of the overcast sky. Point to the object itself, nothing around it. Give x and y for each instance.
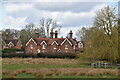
(69, 15)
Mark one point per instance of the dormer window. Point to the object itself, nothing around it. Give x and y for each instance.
(43, 46)
(66, 46)
(10, 46)
(80, 45)
(31, 46)
(55, 46)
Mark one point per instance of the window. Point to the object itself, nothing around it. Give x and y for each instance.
(10, 46)
(80, 45)
(66, 51)
(55, 46)
(38, 51)
(43, 46)
(31, 51)
(59, 50)
(31, 46)
(66, 46)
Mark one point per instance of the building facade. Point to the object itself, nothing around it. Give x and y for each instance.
(11, 43)
(54, 44)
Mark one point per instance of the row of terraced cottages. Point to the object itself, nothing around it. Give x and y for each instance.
(52, 44)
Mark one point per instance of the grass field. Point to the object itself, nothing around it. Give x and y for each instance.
(52, 68)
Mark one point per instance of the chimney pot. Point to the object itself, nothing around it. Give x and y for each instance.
(71, 33)
(51, 34)
(56, 34)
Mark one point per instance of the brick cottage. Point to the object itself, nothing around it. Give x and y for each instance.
(54, 44)
(11, 43)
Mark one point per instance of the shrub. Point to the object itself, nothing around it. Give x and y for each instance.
(23, 55)
(56, 55)
(9, 50)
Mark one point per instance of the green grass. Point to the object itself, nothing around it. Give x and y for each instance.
(23, 75)
(5, 76)
(22, 66)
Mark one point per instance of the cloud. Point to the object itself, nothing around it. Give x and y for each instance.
(16, 23)
(68, 15)
(11, 8)
(65, 6)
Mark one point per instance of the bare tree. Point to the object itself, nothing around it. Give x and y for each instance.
(47, 25)
(106, 19)
(81, 34)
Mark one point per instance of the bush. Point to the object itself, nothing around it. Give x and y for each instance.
(43, 55)
(23, 55)
(57, 55)
(9, 50)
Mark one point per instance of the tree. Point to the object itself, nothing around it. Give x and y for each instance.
(10, 34)
(102, 39)
(81, 33)
(106, 19)
(46, 25)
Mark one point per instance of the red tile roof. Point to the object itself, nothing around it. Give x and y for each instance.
(14, 41)
(49, 41)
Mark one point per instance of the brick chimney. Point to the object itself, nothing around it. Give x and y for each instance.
(71, 34)
(51, 34)
(56, 34)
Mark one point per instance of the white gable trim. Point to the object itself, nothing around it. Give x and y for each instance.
(80, 43)
(66, 40)
(54, 42)
(43, 42)
(11, 43)
(31, 40)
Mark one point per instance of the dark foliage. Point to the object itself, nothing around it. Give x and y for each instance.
(57, 55)
(42, 55)
(9, 50)
(22, 55)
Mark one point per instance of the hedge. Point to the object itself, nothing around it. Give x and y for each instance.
(57, 55)
(9, 50)
(22, 55)
(43, 55)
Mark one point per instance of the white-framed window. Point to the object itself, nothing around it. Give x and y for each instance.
(31, 46)
(66, 46)
(66, 51)
(38, 50)
(10, 46)
(31, 51)
(43, 46)
(80, 45)
(54, 46)
(59, 50)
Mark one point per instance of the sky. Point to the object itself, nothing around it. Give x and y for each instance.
(69, 15)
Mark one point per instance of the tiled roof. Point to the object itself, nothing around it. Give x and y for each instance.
(49, 41)
(14, 41)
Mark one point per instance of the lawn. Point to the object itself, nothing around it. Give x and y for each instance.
(52, 68)
(22, 66)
